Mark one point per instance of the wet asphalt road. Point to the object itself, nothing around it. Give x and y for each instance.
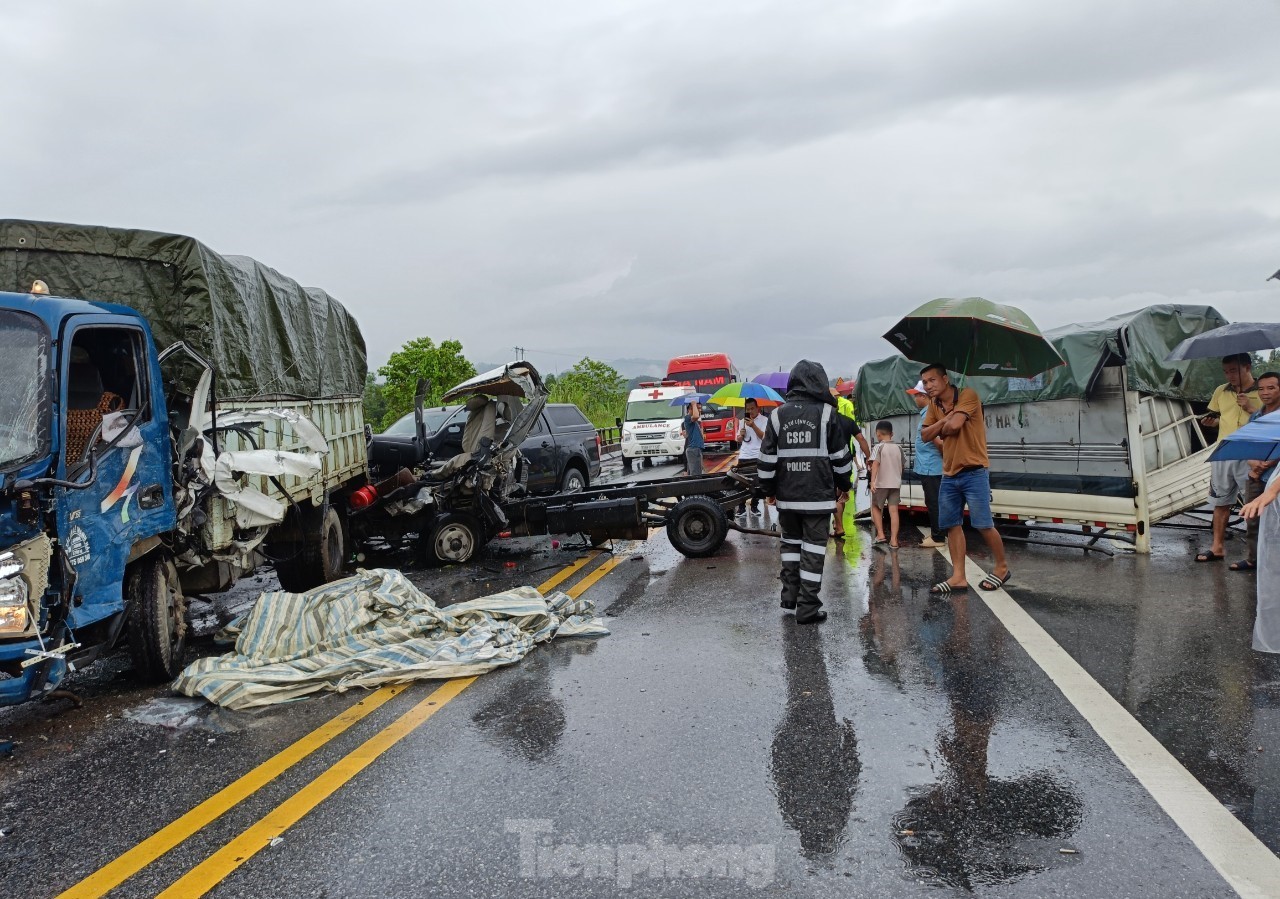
(908, 747)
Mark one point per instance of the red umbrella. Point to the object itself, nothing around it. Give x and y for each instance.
(846, 388)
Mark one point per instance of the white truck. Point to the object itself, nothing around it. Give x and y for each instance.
(650, 425)
(1108, 444)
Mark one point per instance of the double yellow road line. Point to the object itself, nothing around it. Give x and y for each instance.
(217, 867)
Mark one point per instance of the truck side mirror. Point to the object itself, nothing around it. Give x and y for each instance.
(419, 400)
(618, 421)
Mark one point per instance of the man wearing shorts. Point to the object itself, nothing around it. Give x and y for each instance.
(955, 416)
(1229, 410)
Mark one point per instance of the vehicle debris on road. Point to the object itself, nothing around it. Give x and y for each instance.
(377, 628)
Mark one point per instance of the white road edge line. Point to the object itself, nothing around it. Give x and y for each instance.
(1250, 868)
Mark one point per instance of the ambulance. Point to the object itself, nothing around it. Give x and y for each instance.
(650, 424)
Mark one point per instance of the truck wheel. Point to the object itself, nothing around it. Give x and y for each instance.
(574, 481)
(452, 539)
(320, 556)
(647, 462)
(697, 526)
(157, 618)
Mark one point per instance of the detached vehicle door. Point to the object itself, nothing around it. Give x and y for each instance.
(111, 415)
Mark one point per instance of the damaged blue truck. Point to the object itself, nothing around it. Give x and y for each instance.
(172, 419)
(130, 476)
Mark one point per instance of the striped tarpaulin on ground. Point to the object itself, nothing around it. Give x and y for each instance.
(376, 628)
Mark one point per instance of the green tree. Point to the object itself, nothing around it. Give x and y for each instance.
(444, 366)
(594, 387)
(375, 404)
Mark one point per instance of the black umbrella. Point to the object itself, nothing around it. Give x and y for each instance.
(1237, 337)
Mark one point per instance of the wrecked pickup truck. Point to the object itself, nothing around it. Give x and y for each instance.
(455, 505)
(132, 477)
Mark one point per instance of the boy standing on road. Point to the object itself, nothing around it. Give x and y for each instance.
(694, 440)
(886, 483)
(1229, 410)
(955, 416)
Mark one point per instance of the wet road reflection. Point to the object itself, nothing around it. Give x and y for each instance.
(526, 719)
(814, 759)
(970, 828)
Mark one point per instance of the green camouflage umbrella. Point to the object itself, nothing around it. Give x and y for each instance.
(975, 337)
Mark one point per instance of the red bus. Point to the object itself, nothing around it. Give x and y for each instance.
(707, 373)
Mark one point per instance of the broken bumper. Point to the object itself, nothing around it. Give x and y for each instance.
(18, 683)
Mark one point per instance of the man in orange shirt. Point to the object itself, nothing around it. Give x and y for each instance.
(955, 416)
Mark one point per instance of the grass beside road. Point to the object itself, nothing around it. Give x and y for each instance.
(602, 411)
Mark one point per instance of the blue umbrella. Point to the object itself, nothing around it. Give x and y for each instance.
(1258, 441)
(775, 379)
(690, 398)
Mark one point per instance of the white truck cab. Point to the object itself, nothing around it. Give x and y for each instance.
(650, 424)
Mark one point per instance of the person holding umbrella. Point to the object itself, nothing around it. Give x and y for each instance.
(754, 425)
(976, 338)
(1229, 410)
(1259, 470)
(751, 396)
(955, 417)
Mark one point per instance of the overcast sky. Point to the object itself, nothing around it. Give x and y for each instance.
(633, 180)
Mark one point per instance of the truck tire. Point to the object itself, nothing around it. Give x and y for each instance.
(452, 539)
(573, 480)
(697, 526)
(157, 618)
(320, 555)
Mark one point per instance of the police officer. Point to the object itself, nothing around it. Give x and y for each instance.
(803, 460)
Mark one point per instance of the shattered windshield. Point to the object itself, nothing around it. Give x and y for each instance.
(652, 410)
(24, 401)
(432, 418)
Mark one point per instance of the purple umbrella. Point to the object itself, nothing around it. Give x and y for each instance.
(775, 379)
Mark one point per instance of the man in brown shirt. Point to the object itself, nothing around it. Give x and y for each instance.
(955, 416)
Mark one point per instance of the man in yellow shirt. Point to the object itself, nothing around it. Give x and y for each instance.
(1229, 410)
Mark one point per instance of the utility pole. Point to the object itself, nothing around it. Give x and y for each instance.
(519, 353)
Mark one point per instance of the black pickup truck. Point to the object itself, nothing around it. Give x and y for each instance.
(562, 450)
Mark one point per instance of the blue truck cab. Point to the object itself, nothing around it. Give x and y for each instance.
(87, 511)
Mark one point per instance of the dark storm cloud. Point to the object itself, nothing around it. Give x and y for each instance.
(636, 179)
(777, 79)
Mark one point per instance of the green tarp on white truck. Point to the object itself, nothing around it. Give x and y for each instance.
(1140, 340)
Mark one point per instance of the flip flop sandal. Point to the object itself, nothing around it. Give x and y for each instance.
(942, 588)
(1243, 565)
(1209, 556)
(991, 582)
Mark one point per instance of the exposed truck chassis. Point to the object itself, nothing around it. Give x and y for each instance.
(696, 511)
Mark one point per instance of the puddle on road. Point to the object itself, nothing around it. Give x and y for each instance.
(181, 713)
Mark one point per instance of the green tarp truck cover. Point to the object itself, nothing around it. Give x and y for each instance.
(1139, 340)
(265, 333)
